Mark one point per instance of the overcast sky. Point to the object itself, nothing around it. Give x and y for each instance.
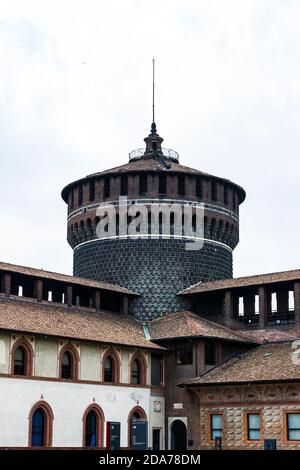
(75, 98)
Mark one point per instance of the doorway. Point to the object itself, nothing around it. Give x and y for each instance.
(178, 435)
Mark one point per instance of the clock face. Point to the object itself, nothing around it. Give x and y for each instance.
(157, 406)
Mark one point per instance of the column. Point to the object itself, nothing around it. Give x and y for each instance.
(297, 302)
(263, 307)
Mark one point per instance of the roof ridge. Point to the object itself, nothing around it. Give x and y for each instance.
(239, 278)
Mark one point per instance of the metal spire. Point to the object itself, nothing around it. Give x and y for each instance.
(153, 126)
(153, 71)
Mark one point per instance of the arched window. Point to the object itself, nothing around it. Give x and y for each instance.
(91, 429)
(111, 367)
(93, 421)
(21, 358)
(135, 414)
(20, 361)
(138, 370)
(40, 425)
(68, 363)
(66, 366)
(135, 372)
(38, 428)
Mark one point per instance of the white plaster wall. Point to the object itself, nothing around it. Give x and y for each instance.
(125, 367)
(4, 353)
(90, 362)
(68, 402)
(157, 417)
(45, 360)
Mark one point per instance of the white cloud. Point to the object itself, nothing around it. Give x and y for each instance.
(75, 97)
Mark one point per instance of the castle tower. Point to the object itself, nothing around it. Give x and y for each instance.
(156, 267)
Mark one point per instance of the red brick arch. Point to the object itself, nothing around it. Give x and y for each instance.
(49, 417)
(70, 348)
(142, 415)
(116, 364)
(29, 355)
(143, 367)
(100, 424)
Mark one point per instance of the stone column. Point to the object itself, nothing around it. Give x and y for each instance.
(124, 305)
(97, 300)
(38, 290)
(69, 296)
(297, 303)
(263, 307)
(6, 284)
(229, 306)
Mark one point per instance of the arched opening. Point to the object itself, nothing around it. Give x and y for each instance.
(66, 366)
(93, 423)
(111, 367)
(68, 360)
(138, 370)
(40, 425)
(137, 414)
(38, 428)
(178, 435)
(21, 358)
(20, 361)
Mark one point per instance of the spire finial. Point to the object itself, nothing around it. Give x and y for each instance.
(153, 76)
(153, 126)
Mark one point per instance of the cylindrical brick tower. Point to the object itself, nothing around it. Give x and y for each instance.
(156, 267)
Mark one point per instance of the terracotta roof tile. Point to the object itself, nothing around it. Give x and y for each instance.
(266, 363)
(259, 279)
(29, 317)
(40, 273)
(273, 334)
(153, 164)
(187, 324)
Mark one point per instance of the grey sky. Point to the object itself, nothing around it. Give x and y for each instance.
(75, 98)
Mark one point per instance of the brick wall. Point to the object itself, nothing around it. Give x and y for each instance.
(157, 269)
(272, 401)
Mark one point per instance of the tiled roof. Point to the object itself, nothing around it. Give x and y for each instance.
(259, 279)
(29, 317)
(40, 273)
(187, 324)
(268, 335)
(266, 363)
(152, 164)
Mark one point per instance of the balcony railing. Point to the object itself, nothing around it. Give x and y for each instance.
(273, 318)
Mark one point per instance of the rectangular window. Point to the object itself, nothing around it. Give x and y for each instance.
(253, 426)
(124, 185)
(214, 191)
(156, 370)
(106, 187)
(162, 184)
(184, 353)
(234, 200)
(241, 306)
(210, 354)
(143, 184)
(274, 302)
(72, 199)
(199, 191)
(80, 195)
(181, 185)
(256, 304)
(216, 426)
(291, 300)
(293, 426)
(226, 194)
(91, 190)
